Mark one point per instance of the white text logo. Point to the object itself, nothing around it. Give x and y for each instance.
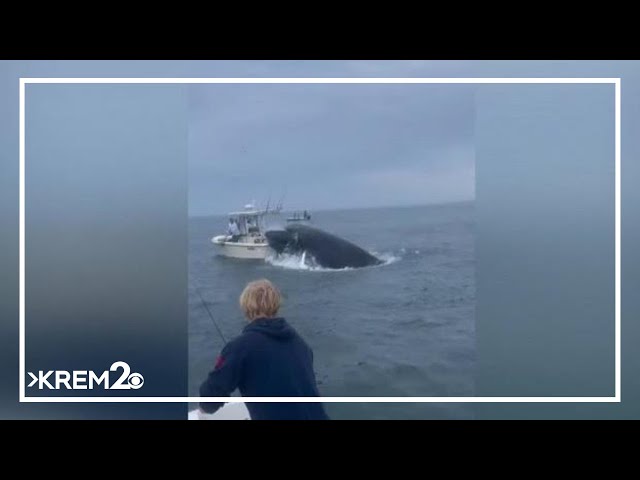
(87, 379)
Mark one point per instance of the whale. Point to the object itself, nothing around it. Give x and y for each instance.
(327, 250)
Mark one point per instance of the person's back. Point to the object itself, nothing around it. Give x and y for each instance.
(269, 359)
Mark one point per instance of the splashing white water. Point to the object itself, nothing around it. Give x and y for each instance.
(295, 262)
(307, 262)
(387, 257)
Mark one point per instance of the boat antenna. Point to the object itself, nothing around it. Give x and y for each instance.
(284, 193)
(204, 304)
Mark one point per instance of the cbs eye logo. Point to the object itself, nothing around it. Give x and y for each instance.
(135, 380)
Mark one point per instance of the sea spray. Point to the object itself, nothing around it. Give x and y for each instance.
(305, 262)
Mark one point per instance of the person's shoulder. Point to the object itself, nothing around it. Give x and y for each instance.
(238, 344)
(301, 340)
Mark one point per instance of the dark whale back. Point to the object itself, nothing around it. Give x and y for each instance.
(328, 250)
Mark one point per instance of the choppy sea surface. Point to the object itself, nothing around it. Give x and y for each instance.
(405, 328)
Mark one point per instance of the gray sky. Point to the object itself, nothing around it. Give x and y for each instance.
(329, 146)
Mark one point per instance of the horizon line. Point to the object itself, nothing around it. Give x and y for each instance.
(333, 209)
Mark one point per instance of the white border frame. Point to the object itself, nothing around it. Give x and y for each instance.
(615, 398)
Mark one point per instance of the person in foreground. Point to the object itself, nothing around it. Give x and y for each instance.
(269, 359)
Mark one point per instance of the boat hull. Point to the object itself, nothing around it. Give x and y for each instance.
(241, 249)
(229, 411)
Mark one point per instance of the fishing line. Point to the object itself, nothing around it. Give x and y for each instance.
(204, 304)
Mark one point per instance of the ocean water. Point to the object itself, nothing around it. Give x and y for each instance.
(405, 328)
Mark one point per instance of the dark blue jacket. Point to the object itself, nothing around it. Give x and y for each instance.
(269, 359)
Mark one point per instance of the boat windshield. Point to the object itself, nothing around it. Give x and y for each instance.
(249, 224)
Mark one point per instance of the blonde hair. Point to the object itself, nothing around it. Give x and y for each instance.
(260, 298)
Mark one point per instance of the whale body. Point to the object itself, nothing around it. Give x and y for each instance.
(328, 250)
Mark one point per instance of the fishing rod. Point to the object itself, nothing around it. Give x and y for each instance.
(204, 304)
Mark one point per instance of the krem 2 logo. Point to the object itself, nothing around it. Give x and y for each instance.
(88, 379)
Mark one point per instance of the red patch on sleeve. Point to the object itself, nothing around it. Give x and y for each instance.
(219, 362)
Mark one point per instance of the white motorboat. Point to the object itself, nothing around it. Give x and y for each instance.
(249, 240)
